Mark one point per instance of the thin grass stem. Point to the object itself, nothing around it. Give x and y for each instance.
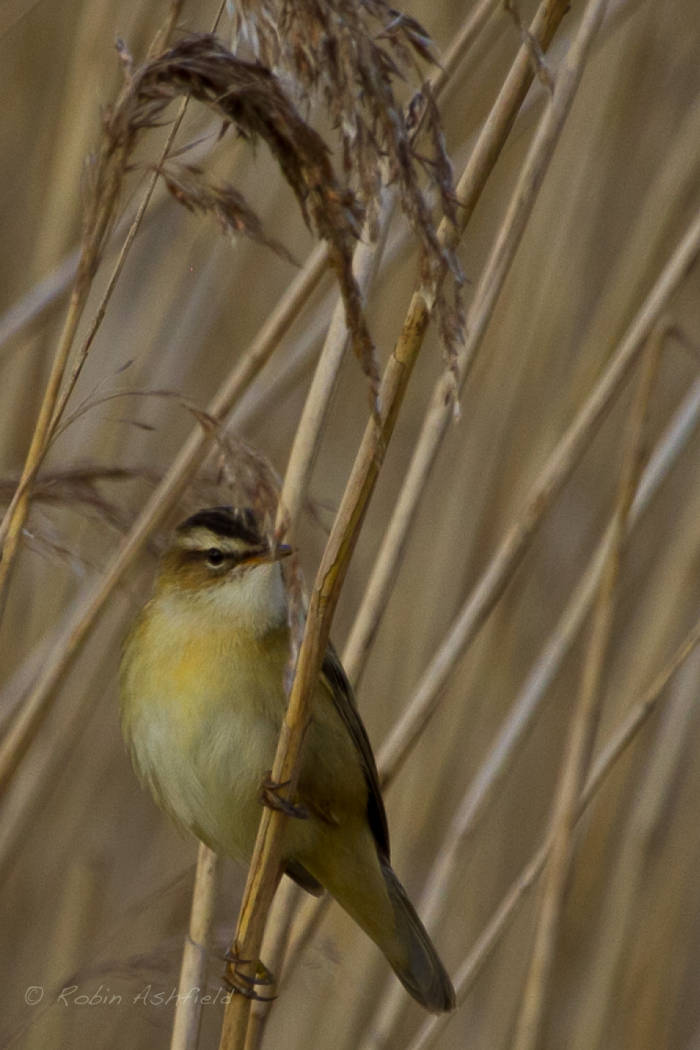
(605, 762)
(584, 722)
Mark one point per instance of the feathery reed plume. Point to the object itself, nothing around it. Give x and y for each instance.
(350, 54)
(250, 97)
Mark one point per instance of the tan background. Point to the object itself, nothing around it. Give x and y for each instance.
(96, 881)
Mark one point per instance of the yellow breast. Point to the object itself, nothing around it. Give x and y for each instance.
(202, 703)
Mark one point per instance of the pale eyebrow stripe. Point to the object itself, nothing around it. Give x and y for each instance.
(201, 539)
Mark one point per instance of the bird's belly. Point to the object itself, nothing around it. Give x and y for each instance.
(204, 752)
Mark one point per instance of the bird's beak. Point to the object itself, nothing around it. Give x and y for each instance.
(282, 550)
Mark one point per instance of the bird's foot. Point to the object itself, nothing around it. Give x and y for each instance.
(243, 983)
(270, 796)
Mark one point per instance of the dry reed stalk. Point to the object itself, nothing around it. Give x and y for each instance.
(604, 763)
(263, 874)
(585, 719)
(193, 969)
(547, 485)
(63, 398)
(68, 387)
(292, 499)
(258, 1015)
(11, 528)
(309, 431)
(264, 869)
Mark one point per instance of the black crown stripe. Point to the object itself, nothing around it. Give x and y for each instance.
(231, 522)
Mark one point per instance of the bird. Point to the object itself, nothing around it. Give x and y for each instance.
(202, 701)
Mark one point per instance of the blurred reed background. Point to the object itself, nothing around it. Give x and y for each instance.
(96, 881)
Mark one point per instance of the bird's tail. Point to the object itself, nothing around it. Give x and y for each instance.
(415, 961)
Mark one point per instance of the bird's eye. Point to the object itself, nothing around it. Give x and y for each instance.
(215, 557)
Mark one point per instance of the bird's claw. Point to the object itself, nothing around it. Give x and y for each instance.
(270, 797)
(243, 983)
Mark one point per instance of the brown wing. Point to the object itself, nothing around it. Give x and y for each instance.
(344, 701)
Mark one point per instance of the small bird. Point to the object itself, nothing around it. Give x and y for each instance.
(202, 703)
